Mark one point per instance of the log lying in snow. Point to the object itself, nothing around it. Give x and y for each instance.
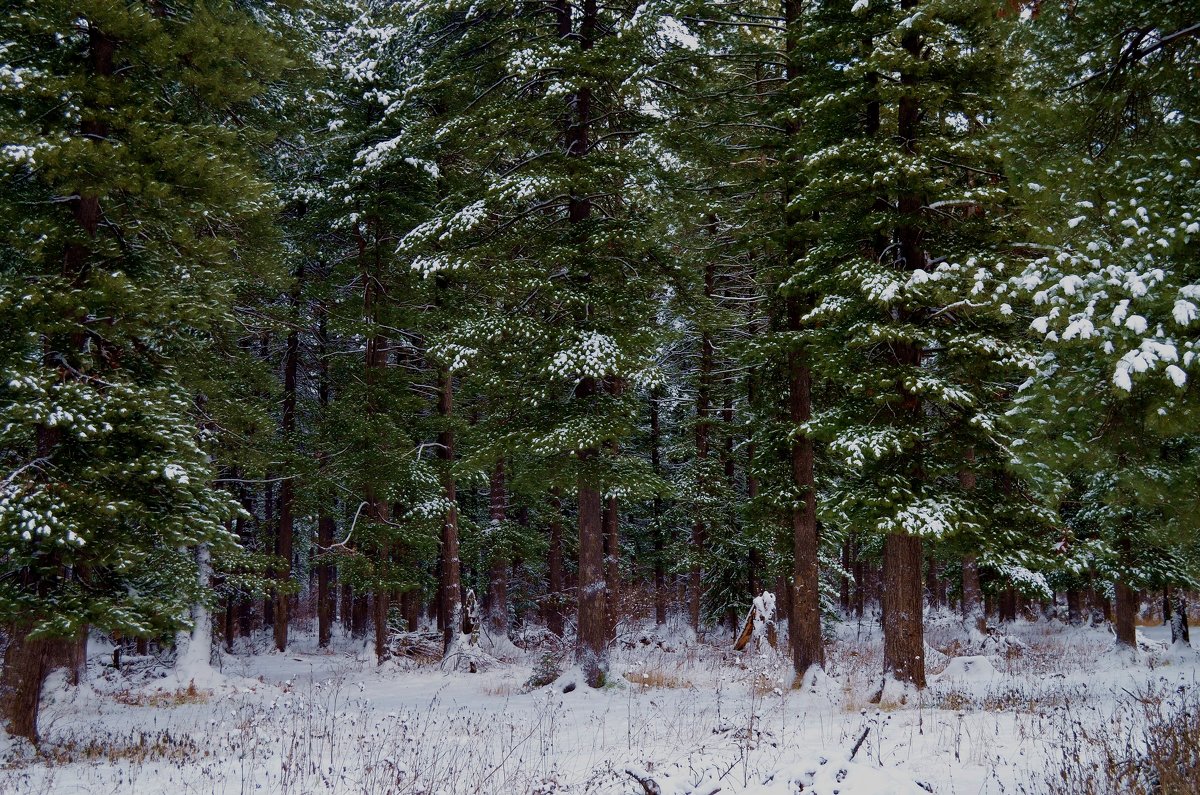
(760, 623)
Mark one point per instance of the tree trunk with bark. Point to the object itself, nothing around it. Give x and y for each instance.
(1074, 606)
(804, 630)
(703, 407)
(27, 663)
(660, 569)
(554, 564)
(1124, 623)
(291, 363)
(903, 628)
(451, 584)
(1179, 621)
(591, 647)
(903, 619)
(326, 588)
(497, 603)
(612, 541)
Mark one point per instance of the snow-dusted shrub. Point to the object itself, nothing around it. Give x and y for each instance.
(1150, 747)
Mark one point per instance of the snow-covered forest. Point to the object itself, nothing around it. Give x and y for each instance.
(556, 396)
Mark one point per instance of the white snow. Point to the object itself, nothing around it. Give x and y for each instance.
(689, 716)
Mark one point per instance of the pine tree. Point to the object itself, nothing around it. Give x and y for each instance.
(130, 199)
(905, 197)
(1111, 410)
(539, 119)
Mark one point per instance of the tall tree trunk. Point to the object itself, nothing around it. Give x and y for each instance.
(591, 648)
(660, 570)
(497, 607)
(805, 628)
(554, 564)
(291, 362)
(451, 584)
(1179, 621)
(1126, 605)
(703, 407)
(612, 541)
(1126, 614)
(1008, 605)
(27, 663)
(326, 589)
(903, 620)
(903, 628)
(1074, 606)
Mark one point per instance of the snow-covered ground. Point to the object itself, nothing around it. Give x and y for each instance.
(998, 717)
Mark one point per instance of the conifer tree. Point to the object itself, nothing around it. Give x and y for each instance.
(905, 198)
(129, 200)
(1112, 411)
(539, 116)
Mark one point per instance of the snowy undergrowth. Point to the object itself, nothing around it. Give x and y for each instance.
(686, 717)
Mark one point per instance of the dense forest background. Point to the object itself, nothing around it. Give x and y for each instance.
(558, 314)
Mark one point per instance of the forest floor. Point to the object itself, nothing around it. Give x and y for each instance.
(1003, 715)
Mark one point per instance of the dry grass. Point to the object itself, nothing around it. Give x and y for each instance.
(137, 747)
(505, 688)
(656, 677)
(1151, 746)
(166, 698)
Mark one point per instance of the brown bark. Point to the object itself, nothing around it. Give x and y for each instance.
(612, 543)
(1074, 606)
(326, 589)
(1126, 602)
(27, 663)
(903, 620)
(497, 608)
(591, 648)
(660, 570)
(903, 629)
(554, 605)
(1179, 619)
(291, 362)
(379, 612)
(703, 406)
(451, 584)
(1125, 611)
(805, 625)
(359, 614)
(1008, 605)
